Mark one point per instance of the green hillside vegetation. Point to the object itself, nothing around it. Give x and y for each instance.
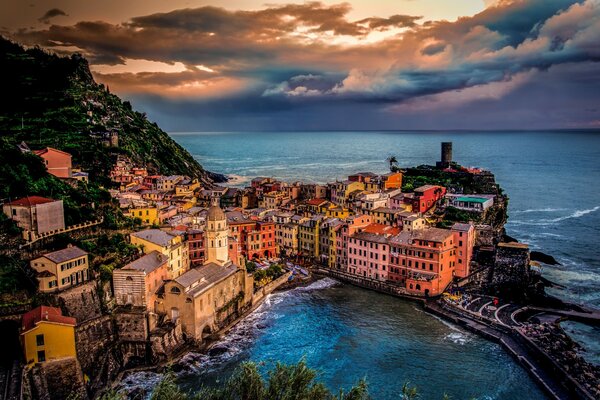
(54, 101)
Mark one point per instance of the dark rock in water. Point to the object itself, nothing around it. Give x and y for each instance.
(543, 258)
(261, 326)
(509, 239)
(217, 351)
(177, 367)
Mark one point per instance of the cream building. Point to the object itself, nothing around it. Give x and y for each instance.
(61, 269)
(206, 298)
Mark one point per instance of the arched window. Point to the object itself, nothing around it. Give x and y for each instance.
(129, 278)
(418, 287)
(219, 243)
(175, 290)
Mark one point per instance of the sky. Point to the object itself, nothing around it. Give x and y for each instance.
(252, 65)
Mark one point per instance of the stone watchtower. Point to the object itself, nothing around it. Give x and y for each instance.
(217, 232)
(446, 158)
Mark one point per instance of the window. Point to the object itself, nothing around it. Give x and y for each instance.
(41, 356)
(39, 340)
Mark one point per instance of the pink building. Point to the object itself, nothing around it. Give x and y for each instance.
(351, 225)
(369, 255)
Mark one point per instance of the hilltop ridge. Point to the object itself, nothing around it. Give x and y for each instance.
(53, 100)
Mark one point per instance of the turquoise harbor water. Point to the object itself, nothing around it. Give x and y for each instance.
(348, 333)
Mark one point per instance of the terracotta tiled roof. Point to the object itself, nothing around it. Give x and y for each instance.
(45, 313)
(30, 201)
(48, 149)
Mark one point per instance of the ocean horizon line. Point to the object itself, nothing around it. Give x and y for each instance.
(562, 130)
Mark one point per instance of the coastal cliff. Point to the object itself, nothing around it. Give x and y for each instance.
(52, 100)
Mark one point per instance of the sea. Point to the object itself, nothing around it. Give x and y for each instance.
(553, 181)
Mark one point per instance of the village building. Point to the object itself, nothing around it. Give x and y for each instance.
(61, 269)
(477, 203)
(464, 239)
(196, 244)
(137, 283)
(308, 236)
(47, 335)
(340, 191)
(169, 244)
(57, 162)
(36, 215)
(423, 261)
(205, 298)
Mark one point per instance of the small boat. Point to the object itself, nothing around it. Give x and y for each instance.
(291, 278)
(303, 272)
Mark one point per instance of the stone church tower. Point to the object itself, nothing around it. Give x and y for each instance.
(217, 248)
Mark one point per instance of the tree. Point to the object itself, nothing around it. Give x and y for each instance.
(250, 267)
(284, 382)
(393, 162)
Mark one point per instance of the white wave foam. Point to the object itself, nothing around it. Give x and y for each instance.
(538, 210)
(576, 214)
(458, 338)
(552, 221)
(237, 179)
(318, 285)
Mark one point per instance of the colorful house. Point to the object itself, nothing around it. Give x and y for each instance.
(166, 243)
(57, 162)
(36, 214)
(464, 239)
(61, 269)
(136, 283)
(47, 335)
(423, 260)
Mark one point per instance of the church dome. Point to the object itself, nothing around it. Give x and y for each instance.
(215, 214)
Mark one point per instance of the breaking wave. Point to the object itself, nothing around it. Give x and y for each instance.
(538, 210)
(550, 221)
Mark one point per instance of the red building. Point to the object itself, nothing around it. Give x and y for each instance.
(256, 239)
(425, 197)
(196, 245)
(267, 238)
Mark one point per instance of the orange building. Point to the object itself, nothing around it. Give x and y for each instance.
(58, 163)
(464, 238)
(423, 260)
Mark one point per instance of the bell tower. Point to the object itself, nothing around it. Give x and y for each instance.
(217, 231)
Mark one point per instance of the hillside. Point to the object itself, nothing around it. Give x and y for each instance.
(54, 101)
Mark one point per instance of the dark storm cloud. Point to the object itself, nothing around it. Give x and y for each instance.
(282, 58)
(53, 12)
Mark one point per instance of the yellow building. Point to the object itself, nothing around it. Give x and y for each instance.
(167, 244)
(340, 191)
(47, 335)
(148, 215)
(61, 269)
(186, 187)
(286, 236)
(338, 212)
(384, 216)
(308, 236)
(272, 200)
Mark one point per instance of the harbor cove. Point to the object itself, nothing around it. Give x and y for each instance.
(348, 333)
